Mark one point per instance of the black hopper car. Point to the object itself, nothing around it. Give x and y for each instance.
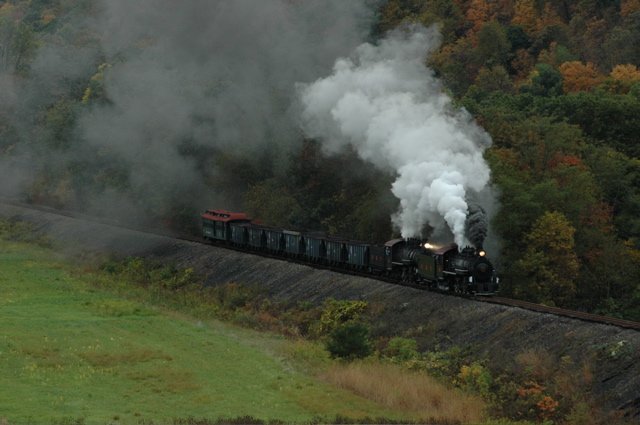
(447, 268)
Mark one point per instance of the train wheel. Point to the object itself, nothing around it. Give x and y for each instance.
(405, 275)
(459, 286)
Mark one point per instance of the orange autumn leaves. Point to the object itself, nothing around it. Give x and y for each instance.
(578, 76)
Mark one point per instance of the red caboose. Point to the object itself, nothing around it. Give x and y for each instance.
(215, 224)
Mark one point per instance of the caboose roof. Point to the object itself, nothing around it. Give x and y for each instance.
(223, 215)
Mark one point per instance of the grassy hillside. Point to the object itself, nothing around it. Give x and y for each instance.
(72, 353)
(139, 341)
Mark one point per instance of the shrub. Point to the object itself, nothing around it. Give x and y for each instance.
(337, 313)
(15, 230)
(350, 341)
(475, 378)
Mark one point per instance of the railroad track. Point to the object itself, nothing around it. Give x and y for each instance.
(627, 324)
(566, 313)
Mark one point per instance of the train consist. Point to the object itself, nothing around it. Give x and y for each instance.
(447, 268)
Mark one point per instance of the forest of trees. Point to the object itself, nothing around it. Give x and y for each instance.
(555, 83)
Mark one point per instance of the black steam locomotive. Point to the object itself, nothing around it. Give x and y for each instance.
(447, 268)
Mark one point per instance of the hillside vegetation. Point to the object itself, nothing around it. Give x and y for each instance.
(555, 83)
(146, 333)
(72, 353)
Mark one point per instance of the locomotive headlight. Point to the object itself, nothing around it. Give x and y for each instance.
(428, 246)
(482, 253)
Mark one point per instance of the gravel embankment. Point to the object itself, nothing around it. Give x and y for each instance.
(501, 333)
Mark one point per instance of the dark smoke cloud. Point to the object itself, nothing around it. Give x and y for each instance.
(477, 224)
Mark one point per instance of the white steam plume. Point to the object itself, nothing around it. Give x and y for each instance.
(386, 104)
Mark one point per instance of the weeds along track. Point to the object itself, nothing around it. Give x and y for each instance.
(627, 324)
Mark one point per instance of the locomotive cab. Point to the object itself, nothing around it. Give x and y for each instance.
(434, 264)
(474, 273)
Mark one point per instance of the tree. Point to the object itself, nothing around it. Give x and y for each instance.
(621, 79)
(7, 30)
(537, 165)
(445, 13)
(629, 7)
(548, 17)
(619, 180)
(591, 40)
(621, 46)
(478, 13)
(493, 44)
(522, 64)
(550, 265)
(452, 63)
(493, 79)
(579, 77)
(613, 119)
(270, 202)
(543, 146)
(23, 46)
(60, 120)
(96, 92)
(545, 81)
(626, 73)
(393, 12)
(455, 78)
(526, 15)
(518, 37)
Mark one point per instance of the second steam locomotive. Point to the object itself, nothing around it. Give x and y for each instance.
(447, 268)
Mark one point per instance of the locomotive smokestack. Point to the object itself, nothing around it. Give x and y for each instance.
(477, 224)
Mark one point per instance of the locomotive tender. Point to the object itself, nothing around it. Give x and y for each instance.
(412, 260)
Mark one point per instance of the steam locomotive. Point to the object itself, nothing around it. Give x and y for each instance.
(413, 260)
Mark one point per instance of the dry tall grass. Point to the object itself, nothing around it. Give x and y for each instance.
(397, 388)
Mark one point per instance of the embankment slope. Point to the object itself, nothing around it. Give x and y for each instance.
(501, 333)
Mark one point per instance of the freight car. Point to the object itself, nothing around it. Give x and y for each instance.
(413, 260)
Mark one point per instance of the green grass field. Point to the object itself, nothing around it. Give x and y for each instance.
(70, 353)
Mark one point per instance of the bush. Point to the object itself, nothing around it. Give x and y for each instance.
(337, 313)
(350, 341)
(402, 349)
(21, 231)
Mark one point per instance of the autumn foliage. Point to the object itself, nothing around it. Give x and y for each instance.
(579, 77)
(550, 265)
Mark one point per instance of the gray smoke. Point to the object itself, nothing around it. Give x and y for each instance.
(208, 74)
(218, 74)
(477, 224)
(384, 102)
